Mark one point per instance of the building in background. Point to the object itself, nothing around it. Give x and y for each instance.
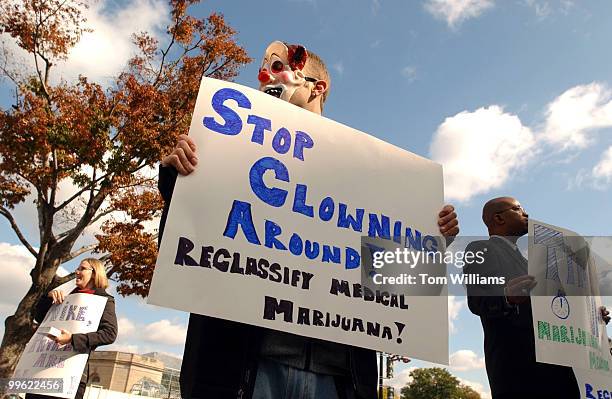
(145, 375)
(171, 373)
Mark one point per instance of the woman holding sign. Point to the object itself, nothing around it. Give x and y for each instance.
(90, 279)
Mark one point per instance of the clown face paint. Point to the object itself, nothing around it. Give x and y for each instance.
(280, 74)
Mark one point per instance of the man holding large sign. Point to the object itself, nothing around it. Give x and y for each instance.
(507, 312)
(570, 329)
(280, 249)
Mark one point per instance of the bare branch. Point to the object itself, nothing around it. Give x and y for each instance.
(55, 182)
(53, 12)
(78, 252)
(186, 51)
(87, 187)
(91, 209)
(164, 54)
(57, 281)
(219, 67)
(5, 212)
(101, 215)
(47, 61)
(91, 186)
(195, 46)
(38, 53)
(90, 212)
(4, 69)
(93, 178)
(73, 230)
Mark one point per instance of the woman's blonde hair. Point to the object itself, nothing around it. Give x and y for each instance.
(99, 277)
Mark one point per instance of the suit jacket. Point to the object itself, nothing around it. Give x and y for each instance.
(509, 341)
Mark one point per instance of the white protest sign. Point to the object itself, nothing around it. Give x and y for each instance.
(67, 287)
(569, 329)
(267, 230)
(43, 358)
(593, 385)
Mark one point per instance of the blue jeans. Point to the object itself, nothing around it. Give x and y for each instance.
(277, 381)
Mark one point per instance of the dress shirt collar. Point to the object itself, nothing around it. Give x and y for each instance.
(507, 241)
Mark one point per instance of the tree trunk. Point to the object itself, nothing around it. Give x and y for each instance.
(19, 328)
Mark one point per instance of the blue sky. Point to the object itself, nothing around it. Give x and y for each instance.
(513, 97)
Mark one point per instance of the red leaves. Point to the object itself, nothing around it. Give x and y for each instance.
(133, 252)
(133, 249)
(49, 28)
(12, 191)
(140, 205)
(99, 136)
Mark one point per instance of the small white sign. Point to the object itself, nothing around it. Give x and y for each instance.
(43, 358)
(569, 329)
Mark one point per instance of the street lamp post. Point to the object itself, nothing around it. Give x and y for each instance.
(390, 360)
(380, 376)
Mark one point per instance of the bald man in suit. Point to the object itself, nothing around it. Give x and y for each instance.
(505, 311)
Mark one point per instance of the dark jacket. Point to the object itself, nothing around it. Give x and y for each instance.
(220, 359)
(509, 341)
(88, 342)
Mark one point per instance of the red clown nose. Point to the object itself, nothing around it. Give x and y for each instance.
(263, 76)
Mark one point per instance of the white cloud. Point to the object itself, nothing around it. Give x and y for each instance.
(338, 67)
(478, 387)
(62, 271)
(480, 150)
(27, 218)
(599, 177)
(15, 265)
(409, 72)
(103, 53)
(454, 12)
(140, 338)
(542, 9)
(375, 6)
(603, 170)
(121, 348)
(454, 307)
(126, 327)
(566, 5)
(400, 379)
(466, 360)
(164, 332)
(574, 115)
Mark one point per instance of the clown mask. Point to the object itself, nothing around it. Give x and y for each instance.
(280, 74)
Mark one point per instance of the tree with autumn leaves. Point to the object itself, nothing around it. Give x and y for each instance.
(103, 140)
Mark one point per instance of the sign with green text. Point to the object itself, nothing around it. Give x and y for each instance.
(567, 319)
